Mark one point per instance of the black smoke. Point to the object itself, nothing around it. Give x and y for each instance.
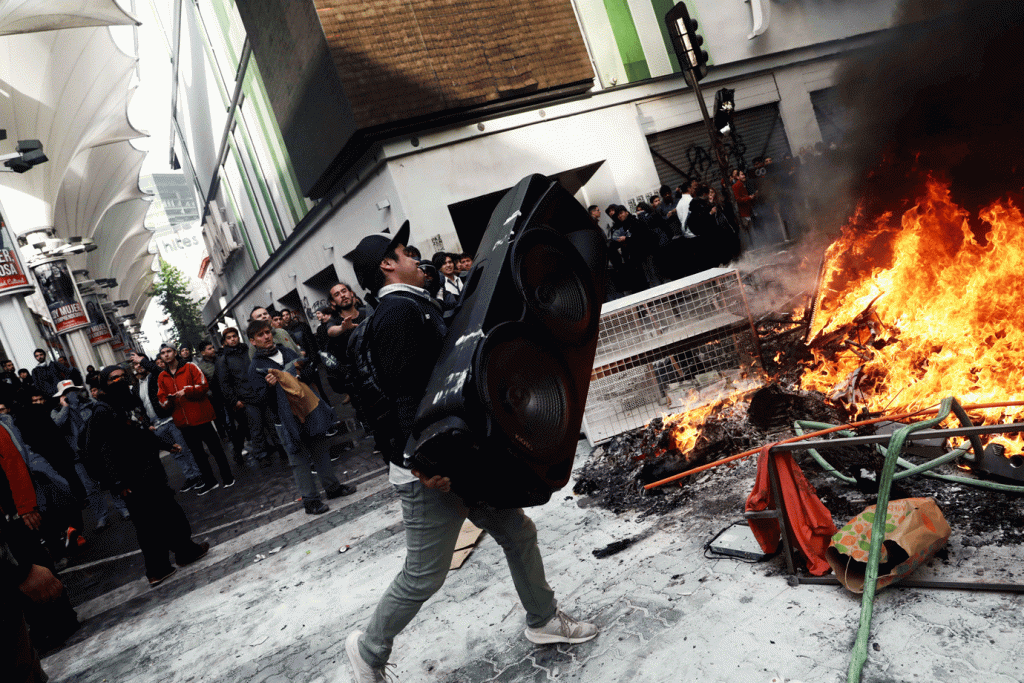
(940, 94)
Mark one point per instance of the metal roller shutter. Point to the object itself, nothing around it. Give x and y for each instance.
(684, 152)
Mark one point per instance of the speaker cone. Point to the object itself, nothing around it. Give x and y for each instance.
(555, 284)
(526, 390)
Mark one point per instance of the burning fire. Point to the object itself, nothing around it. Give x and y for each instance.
(687, 426)
(918, 307)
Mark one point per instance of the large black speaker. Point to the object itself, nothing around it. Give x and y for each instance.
(502, 412)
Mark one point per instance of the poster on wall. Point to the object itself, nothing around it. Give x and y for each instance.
(13, 278)
(98, 331)
(61, 296)
(117, 344)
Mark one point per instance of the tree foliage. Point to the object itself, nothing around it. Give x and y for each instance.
(171, 289)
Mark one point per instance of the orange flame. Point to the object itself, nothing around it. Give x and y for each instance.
(687, 425)
(919, 308)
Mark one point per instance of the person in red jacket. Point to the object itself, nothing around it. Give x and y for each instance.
(744, 201)
(182, 388)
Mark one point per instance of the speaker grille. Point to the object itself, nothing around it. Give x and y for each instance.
(556, 284)
(527, 390)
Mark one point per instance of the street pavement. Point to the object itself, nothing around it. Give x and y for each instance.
(275, 599)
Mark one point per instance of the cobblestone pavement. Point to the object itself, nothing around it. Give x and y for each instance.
(275, 603)
(262, 494)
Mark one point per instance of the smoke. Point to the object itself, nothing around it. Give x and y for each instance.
(940, 94)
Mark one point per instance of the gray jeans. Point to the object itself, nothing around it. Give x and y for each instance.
(303, 456)
(432, 524)
(260, 431)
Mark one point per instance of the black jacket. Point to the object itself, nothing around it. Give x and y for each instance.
(47, 375)
(233, 376)
(121, 453)
(305, 340)
(154, 372)
(701, 221)
(406, 336)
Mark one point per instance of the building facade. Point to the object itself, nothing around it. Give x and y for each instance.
(308, 125)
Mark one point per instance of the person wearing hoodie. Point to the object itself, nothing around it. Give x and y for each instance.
(160, 420)
(182, 388)
(52, 462)
(124, 456)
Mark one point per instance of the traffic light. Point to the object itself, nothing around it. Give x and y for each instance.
(502, 412)
(725, 105)
(687, 43)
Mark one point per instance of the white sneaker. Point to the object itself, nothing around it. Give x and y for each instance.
(361, 671)
(561, 629)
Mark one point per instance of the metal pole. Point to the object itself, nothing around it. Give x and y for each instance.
(716, 145)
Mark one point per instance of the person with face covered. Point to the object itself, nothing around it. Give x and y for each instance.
(51, 455)
(71, 417)
(124, 457)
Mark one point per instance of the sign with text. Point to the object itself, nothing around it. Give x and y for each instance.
(13, 278)
(61, 296)
(98, 331)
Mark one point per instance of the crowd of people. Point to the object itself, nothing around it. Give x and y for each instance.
(672, 234)
(70, 442)
(680, 231)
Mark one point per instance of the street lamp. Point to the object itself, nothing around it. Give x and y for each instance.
(28, 153)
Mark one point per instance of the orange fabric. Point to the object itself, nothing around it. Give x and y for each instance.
(807, 517)
(14, 466)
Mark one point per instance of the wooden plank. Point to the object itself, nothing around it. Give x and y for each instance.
(468, 537)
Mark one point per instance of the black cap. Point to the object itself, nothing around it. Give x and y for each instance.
(366, 257)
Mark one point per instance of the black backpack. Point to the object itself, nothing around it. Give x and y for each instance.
(373, 407)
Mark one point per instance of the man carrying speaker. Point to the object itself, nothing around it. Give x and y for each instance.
(404, 338)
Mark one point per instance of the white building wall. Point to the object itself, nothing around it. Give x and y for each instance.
(421, 175)
(430, 180)
(340, 232)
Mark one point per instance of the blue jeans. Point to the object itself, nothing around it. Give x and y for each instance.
(97, 501)
(432, 523)
(186, 461)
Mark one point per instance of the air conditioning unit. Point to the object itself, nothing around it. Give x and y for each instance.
(228, 228)
(677, 346)
(220, 236)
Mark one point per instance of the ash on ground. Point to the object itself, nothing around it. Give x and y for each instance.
(616, 472)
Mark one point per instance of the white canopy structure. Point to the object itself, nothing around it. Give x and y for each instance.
(30, 16)
(69, 88)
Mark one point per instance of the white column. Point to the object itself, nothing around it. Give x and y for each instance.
(15, 331)
(796, 109)
(78, 344)
(106, 354)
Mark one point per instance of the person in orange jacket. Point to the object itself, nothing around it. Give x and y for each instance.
(182, 388)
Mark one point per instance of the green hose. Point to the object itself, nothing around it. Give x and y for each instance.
(892, 452)
(896, 443)
(910, 468)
